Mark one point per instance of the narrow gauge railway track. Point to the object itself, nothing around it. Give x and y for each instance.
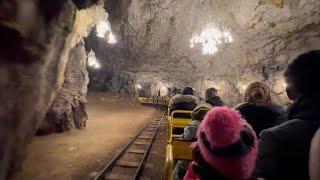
(130, 161)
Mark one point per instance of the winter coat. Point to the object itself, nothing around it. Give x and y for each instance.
(190, 133)
(183, 102)
(210, 174)
(262, 115)
(198, 115)
(284, 149)
(314, 158)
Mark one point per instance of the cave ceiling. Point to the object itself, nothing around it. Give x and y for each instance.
(202, 43)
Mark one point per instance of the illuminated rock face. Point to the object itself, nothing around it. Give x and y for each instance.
(266, 35)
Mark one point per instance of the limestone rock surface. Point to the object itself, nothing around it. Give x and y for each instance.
(154, 44)
(68, 109)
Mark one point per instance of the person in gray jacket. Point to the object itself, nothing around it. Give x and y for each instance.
(190, 132)
(284, 149)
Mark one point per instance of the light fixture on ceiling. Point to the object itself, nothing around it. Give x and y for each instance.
(210, 37)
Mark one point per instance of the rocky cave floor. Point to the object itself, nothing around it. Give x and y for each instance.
(80, 154)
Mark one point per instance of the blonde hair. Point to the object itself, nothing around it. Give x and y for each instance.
(257, 92)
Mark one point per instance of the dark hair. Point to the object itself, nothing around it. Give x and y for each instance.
(210, 92)
(303, 73)
(187, 91)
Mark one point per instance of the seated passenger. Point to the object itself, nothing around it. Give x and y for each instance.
(211, 100)
(284, 149)
(314, 159)
(190, 132)
(258, 109)
(186, 101)
(226, 147)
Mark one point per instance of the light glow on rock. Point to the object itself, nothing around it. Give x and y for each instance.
(92, 60)
(112, 38)
(209, 38)
(138, 86)
(103, 28)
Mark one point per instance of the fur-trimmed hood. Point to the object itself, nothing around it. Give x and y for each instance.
(179, 98)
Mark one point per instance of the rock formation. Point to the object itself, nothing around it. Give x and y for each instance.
(68, 109)
(155, 44)
(36, 37)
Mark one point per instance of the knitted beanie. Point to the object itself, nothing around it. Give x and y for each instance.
(228, 143)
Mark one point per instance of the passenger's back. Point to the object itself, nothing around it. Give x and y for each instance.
(284, 150)
(183, 102)
(314, 159)
(262, 115)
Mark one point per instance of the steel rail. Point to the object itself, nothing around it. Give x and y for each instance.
(145, 156)
(112, 163)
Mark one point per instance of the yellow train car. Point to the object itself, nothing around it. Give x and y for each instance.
(164, 101)
(143, 100)
(177, 121)
(176, 150)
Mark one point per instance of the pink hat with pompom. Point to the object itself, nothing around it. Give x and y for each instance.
(228, 143)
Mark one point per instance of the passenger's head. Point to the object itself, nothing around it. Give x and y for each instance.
(302, 75)
(228, 143)
(187, 91)
(212, 98)
(257, 92)
(210, 92)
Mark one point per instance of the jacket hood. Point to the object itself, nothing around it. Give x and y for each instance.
(184, 98)
(215, 101)
(305, 108)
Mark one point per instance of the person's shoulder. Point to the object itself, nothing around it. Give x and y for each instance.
(188, 98)
(276, 108)
(288, 130)
(240, 105)
(204, 105)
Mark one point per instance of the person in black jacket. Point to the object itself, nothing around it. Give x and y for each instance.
(284, 149)
(258, 108)
(184, 101)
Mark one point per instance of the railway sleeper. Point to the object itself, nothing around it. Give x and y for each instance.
(129, 164)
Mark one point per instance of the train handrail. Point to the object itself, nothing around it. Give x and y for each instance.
(169, 163)
(174, 153)
(177, 122)
(180, 111)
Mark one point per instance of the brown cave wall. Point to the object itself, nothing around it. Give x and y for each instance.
(36, 37)
(67, 111)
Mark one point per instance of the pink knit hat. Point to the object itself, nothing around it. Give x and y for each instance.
(228, 143)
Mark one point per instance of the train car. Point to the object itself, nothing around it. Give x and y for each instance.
(154, 100)
(177, 148)
(177, 121)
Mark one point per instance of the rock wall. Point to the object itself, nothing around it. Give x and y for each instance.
(67, 112)
(68, 109)
(36, 37)
(155, 41)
